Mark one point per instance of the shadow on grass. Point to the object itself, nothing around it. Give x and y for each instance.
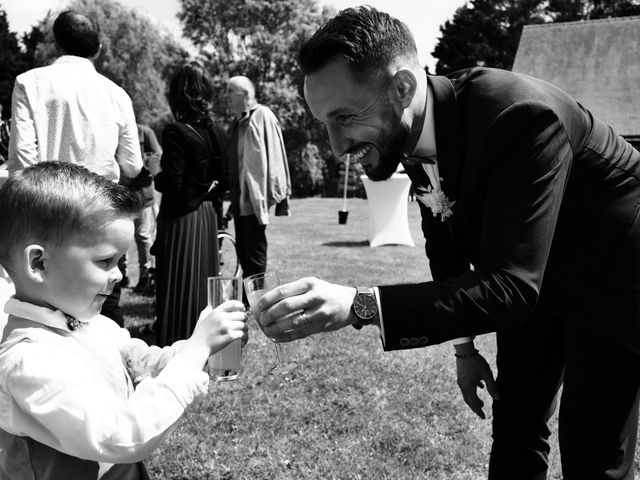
(347, 243)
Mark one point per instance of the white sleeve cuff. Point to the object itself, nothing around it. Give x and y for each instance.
(377, 294)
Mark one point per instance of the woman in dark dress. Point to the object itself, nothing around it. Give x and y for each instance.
(186, 247)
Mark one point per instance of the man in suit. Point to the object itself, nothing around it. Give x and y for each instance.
(530, 211)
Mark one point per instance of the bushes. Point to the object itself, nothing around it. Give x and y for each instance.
(313, 174)
(306, 167)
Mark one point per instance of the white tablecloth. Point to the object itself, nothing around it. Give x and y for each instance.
(388, 219)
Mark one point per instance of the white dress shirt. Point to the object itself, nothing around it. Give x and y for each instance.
(68, 112)
(74, 390)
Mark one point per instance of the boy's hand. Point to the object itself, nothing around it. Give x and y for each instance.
(216, 328)
(222, 325)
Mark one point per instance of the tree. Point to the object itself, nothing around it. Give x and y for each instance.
(135, 54)
(569, 10)
(260, 39)
(12, 63)
(487, 32)
(31, 41)
(484, 32)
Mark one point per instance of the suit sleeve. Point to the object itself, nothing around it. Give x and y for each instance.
(522, 174)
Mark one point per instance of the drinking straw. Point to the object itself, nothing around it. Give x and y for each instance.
(346, 181)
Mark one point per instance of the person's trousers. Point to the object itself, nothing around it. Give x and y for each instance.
(144, 235)
(251, 244)
(598, 416)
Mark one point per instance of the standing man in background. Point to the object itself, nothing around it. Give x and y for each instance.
(68, 112)
(144, 224)
(258, 173)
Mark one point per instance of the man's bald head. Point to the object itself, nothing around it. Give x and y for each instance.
(241, 94)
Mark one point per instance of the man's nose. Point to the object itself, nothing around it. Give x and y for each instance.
(339, 142)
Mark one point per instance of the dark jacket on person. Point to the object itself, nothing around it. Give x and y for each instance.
(192, 159)
(547, 205)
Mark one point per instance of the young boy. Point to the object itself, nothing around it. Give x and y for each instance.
(79, 398)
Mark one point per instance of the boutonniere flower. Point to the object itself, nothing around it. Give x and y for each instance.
(437, 201)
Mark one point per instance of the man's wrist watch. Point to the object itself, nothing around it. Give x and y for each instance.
(365, 307)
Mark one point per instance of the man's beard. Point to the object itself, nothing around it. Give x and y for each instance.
(391, 151)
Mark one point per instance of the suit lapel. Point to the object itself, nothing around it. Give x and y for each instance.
(418, 177)
(449, 139)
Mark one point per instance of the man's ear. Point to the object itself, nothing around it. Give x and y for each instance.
(404, 85)
(35, 262)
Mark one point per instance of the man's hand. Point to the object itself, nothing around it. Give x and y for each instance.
(320, 307)
(473, 372)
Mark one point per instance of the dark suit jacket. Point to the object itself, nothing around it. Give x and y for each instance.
(546, 211)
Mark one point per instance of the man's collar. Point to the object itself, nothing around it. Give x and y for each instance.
(247, 113)
(74, 60)
(425, 147)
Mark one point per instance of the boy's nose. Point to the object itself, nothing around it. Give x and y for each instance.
(115, 276)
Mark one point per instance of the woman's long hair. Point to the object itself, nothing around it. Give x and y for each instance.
(191, 93)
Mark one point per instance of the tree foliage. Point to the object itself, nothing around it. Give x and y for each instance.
(135, 54)
(12, 63)
(487, 32)
(260, 39)
(569, 10)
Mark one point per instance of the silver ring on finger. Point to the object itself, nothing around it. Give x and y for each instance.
(304, 319)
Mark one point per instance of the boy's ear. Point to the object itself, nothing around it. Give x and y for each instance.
(35, 258)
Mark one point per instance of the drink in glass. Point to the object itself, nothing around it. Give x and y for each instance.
(225, 364)
(256, 286)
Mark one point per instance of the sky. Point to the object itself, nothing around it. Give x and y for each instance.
(423, 17)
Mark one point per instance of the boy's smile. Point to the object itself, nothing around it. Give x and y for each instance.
(81, 273)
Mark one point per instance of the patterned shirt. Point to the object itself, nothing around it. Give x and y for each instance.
(68, 112)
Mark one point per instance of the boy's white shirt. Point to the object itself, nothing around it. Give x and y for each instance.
(74, 390)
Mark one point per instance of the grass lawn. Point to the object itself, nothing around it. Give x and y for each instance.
(350, 411)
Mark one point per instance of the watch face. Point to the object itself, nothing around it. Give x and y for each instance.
(365, 306)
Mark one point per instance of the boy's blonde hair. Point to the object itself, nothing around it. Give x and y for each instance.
(52, 201)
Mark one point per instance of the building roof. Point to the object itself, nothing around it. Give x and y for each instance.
(597, 62)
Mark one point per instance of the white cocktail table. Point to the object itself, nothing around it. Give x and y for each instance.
(388, 217)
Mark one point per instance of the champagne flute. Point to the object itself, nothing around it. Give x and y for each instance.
(255, 287)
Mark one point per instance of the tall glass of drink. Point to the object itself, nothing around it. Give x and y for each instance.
(255, 287)
(225, 364)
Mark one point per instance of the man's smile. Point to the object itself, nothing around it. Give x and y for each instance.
(361, 153)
